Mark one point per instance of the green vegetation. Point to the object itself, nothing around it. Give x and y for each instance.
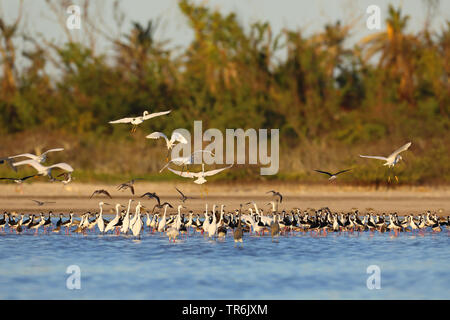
(330, 102)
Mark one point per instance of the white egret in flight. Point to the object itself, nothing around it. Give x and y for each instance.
(41, 158)
(138, 120)
(43, 170)
(200, 176)
(393, 158)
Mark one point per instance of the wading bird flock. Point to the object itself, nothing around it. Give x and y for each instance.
(217, 223)
(210, 223)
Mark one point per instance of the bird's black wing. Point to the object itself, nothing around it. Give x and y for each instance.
(281, 197)
(182, 195)
(320, 171)
(167, 204)
(107, 193)
(132, 189)
(28, 177)
(342, 171)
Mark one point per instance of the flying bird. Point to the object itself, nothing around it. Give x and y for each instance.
(200, 176)
(20, 180)
(185, 161)
(41, 158)
(43, 170)
(161, 206)
(176, 137)
(67, 177)
(277, 194)
(41, 203)
(393, 158)
(138, 120)
(128, 185)
(101, 191)
(152, 195)
(183, 196)
(332, 175)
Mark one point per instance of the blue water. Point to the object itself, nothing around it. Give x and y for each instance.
(296, 267)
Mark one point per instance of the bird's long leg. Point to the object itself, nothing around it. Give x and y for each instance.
(167, 157)
(133, 129)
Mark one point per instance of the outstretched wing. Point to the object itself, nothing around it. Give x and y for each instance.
(106, 193)
(157, 135)
(124, 120)
(28, 155)
(184, 174)
(176, 136)
(156, 114)
(213, 172)
(32, 163)
(180, 192)
(374, 157)
(401, 149)
(52, 150)
(63, 166)
(342, 171)
(320, 171)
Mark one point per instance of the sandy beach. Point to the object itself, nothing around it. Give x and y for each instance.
(75, 197)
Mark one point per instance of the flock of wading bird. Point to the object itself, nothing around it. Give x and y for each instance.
(214, 223)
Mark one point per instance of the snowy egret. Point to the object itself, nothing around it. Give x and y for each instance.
(200, 176)
(43, 170)
(176, 137)
(138, 120)
(41, 158)
(185, 161)
(393, 158)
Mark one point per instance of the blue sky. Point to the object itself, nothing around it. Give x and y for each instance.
(309, 16)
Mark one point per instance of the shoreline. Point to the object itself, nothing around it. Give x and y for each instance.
(75, 196)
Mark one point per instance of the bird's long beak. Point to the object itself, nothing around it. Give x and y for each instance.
(106, 203)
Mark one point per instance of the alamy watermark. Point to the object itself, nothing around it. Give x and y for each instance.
(373, 22)
(235, 144)
(74, 19)
(73, 282)
(374, 280)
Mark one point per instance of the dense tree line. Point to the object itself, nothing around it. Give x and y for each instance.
(329, 101)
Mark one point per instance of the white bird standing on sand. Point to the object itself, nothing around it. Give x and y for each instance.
(41, 158)
(138, 120)
(43, 170)
(393, 158)
(199, 175)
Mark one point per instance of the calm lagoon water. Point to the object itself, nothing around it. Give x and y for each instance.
(296, 267)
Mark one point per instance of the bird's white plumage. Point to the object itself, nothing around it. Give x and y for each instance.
(41, 158)
(138, 120)
(199, 175)
(43, 170)
(393, 158)
(183, 161)
(176, 137)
